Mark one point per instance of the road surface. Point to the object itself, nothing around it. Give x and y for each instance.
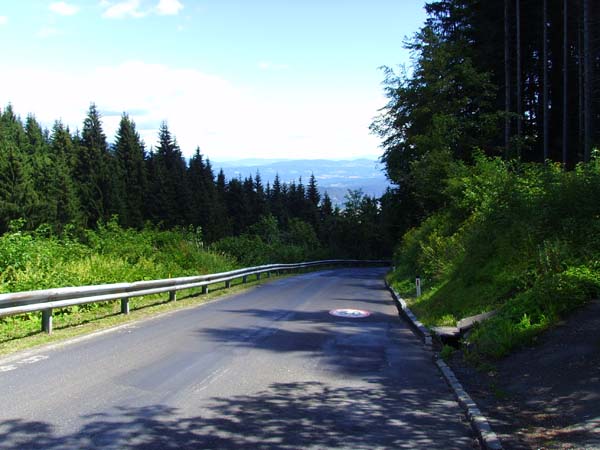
(267, 368)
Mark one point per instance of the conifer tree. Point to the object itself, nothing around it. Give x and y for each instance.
(276, 201)
(18, 197)
(169, 200)
(93, 174)
(130, 156)
(201, 194)
(64, 191)
(43, 174)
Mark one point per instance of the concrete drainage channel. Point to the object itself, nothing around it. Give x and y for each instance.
(479, 423)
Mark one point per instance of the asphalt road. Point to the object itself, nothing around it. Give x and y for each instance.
(267, 368)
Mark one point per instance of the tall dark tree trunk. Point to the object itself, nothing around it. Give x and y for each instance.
(587, 84)
(519, 105)
(545, 76)
(565, 70)
(580, 101)
(506, 79)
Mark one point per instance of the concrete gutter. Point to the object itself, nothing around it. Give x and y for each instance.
(403, 309)
(454, 334)
(489, 440)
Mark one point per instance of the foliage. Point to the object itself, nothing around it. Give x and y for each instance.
(41, 259)
(520, 238)
(60, 179)
(266, 243)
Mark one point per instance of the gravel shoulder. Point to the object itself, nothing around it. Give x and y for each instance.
(546, 396)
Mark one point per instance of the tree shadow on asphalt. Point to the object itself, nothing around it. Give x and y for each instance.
(402, 411)
(284, 416)
(343, 346)
(357, 301)
(371, 273)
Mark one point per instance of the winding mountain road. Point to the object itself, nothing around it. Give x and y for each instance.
(266, 368)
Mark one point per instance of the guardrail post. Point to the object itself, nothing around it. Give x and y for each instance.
(205, 289)
(124, 306)
(244, 279)
(172, 296)
(258, 276)
(47, 320)
(227, 284)
(268, 274)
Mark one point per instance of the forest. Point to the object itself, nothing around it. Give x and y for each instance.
(491, 139)
(58, 179)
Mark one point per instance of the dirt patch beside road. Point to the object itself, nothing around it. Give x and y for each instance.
(548, 395)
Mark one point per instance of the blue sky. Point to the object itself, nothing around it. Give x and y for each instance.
(240, 79)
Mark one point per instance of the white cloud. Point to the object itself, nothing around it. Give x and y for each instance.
(168, 7)
(122, 9)
(225, 120)
(3, 20)
(64, 9)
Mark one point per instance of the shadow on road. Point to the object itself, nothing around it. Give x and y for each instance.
(285, 416)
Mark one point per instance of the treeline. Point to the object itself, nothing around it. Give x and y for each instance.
(515, 79)
(490, 141)
(57, 177)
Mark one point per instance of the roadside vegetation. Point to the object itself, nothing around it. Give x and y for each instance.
(523, 239)
(41, 259)
(497, 197)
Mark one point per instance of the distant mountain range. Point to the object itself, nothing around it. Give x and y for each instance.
(333, 177)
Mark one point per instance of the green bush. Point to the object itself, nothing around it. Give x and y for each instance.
(39, 260)
(520, 238)
(265, 243)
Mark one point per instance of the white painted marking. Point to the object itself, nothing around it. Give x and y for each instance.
(21, 362)
(214, 376)
(350, 313)
(33, 359)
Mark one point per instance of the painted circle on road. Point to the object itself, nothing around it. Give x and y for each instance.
(350, 313)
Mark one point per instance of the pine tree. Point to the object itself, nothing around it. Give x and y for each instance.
(130, 163)
(93, 171)
(43, 173)
(201, 200)
(64, 191)
(18, 197)
(169, 192)
(276, 201)
(312, 193)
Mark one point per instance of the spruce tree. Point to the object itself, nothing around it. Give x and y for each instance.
(200, 201)
(17, 193)
(63, 153)
(130, 156)
(169, 202)
(93, 171)
(42, 173)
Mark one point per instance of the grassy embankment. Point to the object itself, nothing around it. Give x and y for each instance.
(520, 239)
(40, 259)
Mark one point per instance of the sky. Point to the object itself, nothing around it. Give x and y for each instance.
(239, 79)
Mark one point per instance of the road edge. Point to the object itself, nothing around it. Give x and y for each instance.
(63, 342)
(487, 437)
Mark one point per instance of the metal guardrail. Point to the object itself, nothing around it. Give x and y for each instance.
(48, 299)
